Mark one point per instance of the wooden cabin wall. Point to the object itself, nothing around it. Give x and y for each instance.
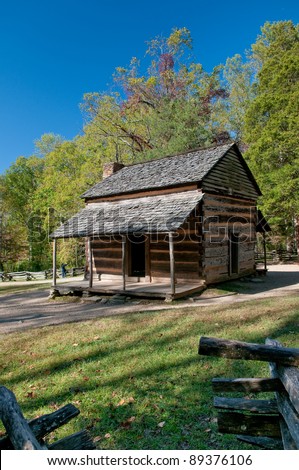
(201, 249)
(187, 251)
(229, 176)
(107, 255)
(222, 215)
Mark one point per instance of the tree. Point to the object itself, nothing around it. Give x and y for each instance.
(47, 143)
(271, 122)
(68, 170)
(21, 228)
(238, 78)
(167, 109)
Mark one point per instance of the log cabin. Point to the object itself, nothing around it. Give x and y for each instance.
(182, 222)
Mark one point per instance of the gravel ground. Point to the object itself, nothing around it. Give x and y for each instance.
(32, 309)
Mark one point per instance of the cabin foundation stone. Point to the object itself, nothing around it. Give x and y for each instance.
(54, 293)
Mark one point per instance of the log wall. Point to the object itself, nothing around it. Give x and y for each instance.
(231, 176)
(223, 216)
(107, 255)
(202, 247)
(187, 251)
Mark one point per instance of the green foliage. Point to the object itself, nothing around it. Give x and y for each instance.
(21, 232)
(68, 170)
(271, 121)
(238, 80)
(13, 241)
(18, 185)
(47, 143)
(275, 39)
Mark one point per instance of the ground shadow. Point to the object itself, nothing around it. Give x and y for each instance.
(287, 279)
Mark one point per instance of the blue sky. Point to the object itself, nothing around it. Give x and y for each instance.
(54, 51)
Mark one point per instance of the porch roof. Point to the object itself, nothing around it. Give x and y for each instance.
(262, 225)
(161, 213)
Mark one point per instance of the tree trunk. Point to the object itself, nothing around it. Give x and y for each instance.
(297, 233)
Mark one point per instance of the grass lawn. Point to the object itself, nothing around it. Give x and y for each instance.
(137, 378)
(11, 289)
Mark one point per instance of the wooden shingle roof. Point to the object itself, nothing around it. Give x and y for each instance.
(190, 167)
(162, 213)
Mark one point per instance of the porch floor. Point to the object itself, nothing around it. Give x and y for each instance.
(158, 290)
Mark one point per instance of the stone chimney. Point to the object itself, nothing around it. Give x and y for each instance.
(110, 168)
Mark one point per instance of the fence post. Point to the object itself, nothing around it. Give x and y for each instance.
(54, 261)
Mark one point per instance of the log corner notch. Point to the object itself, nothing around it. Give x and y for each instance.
(269, 424)
(29, 435)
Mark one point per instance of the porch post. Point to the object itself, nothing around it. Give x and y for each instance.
(54, 261)
(171, 257)
(90, 262)
(265, 250)
(123, 259)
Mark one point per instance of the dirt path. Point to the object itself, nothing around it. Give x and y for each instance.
(32, 309)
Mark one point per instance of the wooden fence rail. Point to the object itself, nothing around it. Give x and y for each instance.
(269, 423)
(277, 256)
(29, 435)
(31, 276)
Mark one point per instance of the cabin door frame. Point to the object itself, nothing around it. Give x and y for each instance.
(138, 256)
(234, 252)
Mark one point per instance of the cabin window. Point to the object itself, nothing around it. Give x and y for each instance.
(234, 248)
(137, 255)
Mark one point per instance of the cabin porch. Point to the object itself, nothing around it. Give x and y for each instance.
(145, 289)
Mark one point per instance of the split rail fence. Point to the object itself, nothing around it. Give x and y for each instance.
(272, 423)
(40, 275)
(23, 435)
